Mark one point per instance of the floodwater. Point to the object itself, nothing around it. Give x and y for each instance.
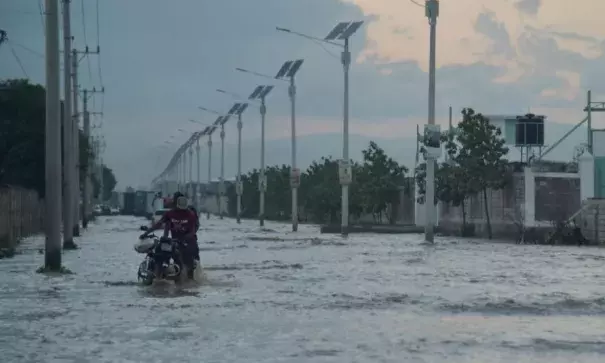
(275, 296)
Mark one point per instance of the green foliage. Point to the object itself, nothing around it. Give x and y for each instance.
(22, 139)
(374, 190)
(380, 179)
(475, 163)
(109, 183)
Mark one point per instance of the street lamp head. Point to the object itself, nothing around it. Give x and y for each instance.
(283, 29)
(208, 110)
(221, 90)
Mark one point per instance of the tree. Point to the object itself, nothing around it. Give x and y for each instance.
(380, 179)
(22, 139)
(481, 155)
(109, 183)
(320, 187)
(451, 180)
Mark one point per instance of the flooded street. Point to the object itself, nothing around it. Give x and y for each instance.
(276, 296)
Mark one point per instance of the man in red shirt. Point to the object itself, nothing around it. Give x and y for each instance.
(182, 224)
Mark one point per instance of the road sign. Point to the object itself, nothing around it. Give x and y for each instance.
(345, 172)
(295, 178)
(432, 141)
(262, 183)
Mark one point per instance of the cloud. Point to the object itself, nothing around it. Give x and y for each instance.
(161, 60)
(529, 7)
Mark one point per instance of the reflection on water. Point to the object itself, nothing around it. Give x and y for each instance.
(270, 295)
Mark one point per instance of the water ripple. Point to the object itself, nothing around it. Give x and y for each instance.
(271, 295)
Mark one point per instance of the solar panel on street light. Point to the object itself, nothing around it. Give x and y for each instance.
(284, 69)
(294, 68)
(350, 30)
(212, 129)
(225, 119)
(234, 108)
(265, 92)
(206, 130)
(338, 29)
(218, 121)
(256, 92)
(242, 108)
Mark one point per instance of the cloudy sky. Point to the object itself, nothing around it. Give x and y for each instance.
(160, 60)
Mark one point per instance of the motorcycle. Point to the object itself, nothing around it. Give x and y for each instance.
(163, 259)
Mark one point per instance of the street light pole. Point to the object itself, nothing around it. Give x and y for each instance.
(261, 92)
(262, 178)
(295, 173)
(189, 188)
(432, 12)
(346, 63)
(342, 31)
(221, 191)
(289, 70)
(209, 168)
(237, 109)
(238, 182)
(198, 179)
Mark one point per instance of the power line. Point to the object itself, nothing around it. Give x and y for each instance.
(85, 39)
(39, 54)
(98, 43)
(17, 58)
(41, 11)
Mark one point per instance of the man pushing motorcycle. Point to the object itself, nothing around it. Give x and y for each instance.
(182, 223)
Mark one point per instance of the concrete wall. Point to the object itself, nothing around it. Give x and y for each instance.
(592, 220)
(533, 198)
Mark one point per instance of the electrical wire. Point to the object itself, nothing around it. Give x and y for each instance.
(325, 49)
(41, 11)
(98, 43)
(99, 67)
(39, 54)
(417, 3)
(17, 58)
(85, 39)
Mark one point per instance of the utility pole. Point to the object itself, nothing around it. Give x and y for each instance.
(75, 132)
(52, 255)
(99, 167)
(79, 213)
(432, 12)
(68, 135)
(86, 205)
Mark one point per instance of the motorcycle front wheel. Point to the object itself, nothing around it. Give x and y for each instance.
(146, 274)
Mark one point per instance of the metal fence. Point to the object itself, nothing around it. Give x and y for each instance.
(21, 214)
